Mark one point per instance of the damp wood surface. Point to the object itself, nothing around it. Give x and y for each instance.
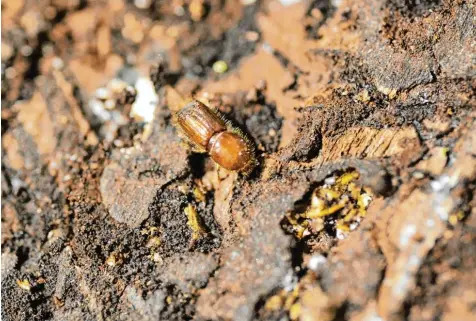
(362, 206)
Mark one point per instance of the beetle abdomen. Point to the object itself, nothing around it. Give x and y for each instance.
(199, 123)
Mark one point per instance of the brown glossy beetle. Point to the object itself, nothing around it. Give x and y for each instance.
(208, 132)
